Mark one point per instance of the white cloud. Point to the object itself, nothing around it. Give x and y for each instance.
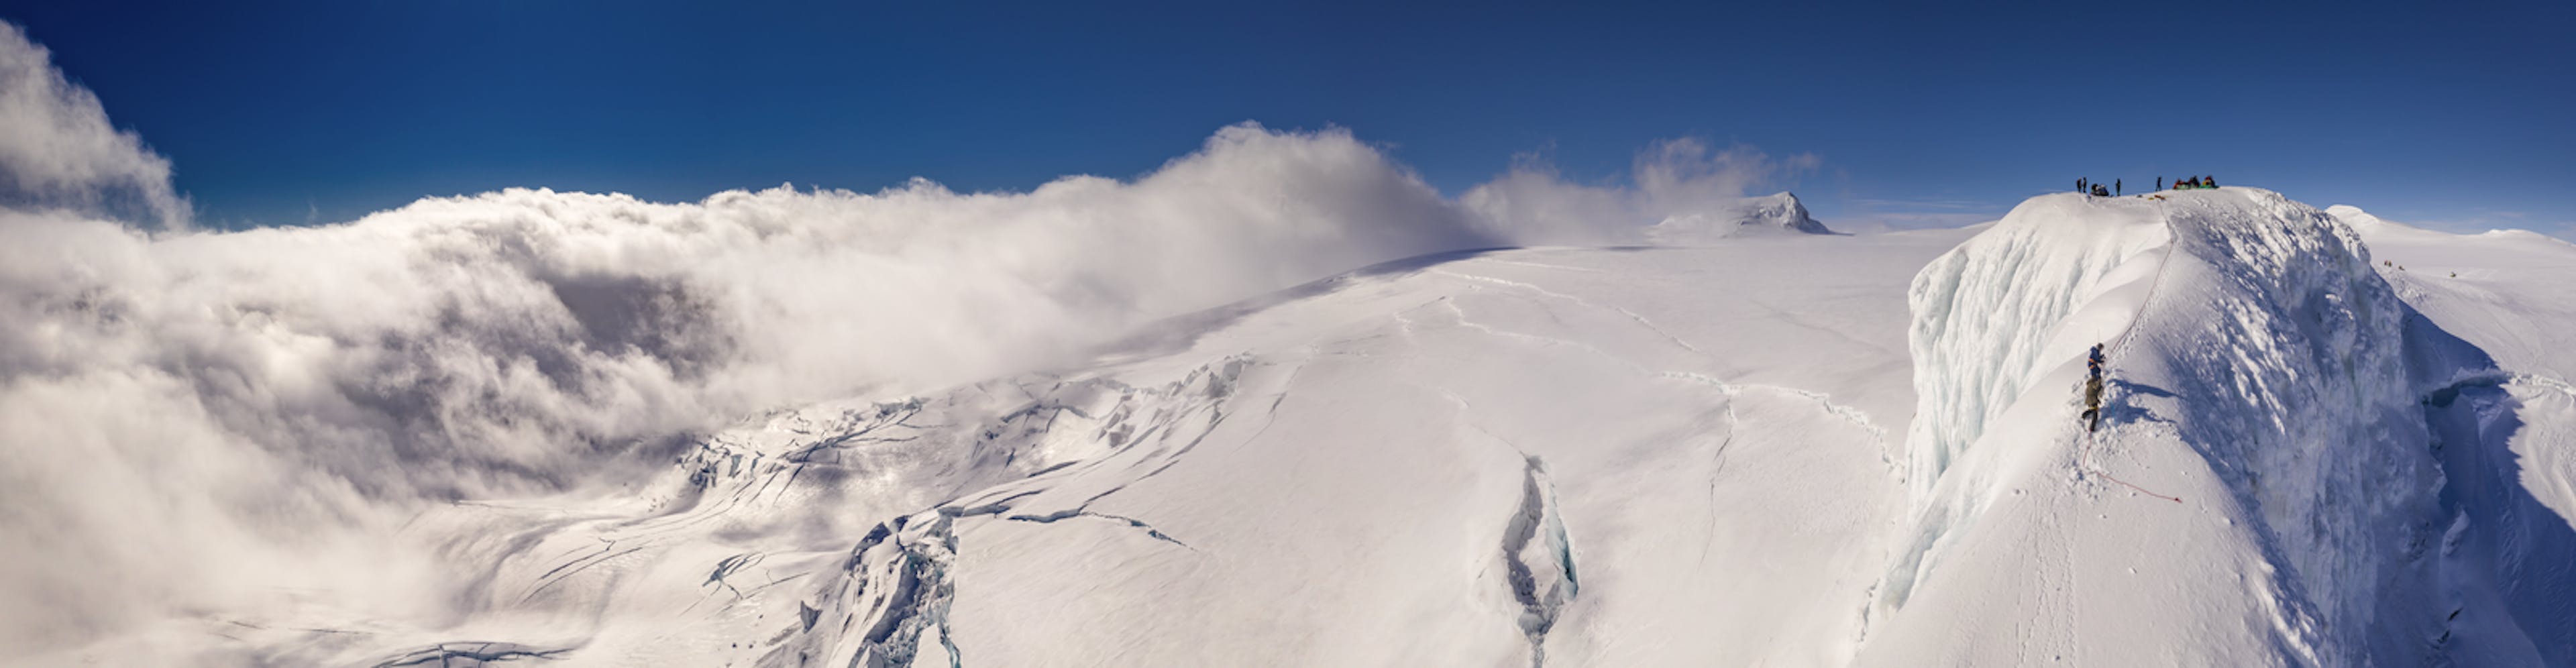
(192, 419)
(57, 149)
(1673, 179)
(242, 396)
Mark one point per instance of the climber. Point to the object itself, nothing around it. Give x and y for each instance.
(2099, 191)
(2209, 182)
(2160, 183)
(2079, 184)
(2115, 186)
(2093, 388)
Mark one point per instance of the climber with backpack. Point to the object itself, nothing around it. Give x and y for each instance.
(2093, 388)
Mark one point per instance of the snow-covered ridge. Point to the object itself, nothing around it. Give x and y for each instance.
(2255, 358)
(1987, 315)
(2285, 353)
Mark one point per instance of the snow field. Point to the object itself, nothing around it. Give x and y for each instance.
(1805, 450)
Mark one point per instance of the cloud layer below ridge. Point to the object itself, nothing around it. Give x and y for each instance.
(273, 402)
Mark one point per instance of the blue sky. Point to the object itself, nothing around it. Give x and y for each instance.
(2455, 116)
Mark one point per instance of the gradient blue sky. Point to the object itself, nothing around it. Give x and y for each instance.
(2455, 115)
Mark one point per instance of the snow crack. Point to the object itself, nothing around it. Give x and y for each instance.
(729, 566)
(1538, 559)
(448, 654)
(1631, 315)
(1150, 531)
(1823, 401)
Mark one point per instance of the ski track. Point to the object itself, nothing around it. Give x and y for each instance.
(1823, 401)
(1631, 315)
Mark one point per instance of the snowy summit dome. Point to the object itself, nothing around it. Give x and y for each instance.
(2357, 218)
(1776, 213)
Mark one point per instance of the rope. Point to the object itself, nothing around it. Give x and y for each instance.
(2084, 458)
(2141, 490)
(2158, 283)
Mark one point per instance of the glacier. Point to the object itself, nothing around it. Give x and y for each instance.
(1777, 449)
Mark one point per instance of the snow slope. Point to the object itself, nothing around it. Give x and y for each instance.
(2492, 312)
(1474, 458)
(2276, 480)
(1773, 450)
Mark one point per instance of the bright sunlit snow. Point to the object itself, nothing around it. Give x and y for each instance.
(1278, 402)
(1816, 450)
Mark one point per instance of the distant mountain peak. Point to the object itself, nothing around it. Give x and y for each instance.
(1776, 213)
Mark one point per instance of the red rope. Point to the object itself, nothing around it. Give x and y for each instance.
(2141, 490)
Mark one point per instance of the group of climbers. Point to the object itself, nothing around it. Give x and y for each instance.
(2087, 186)
(2092, 420)
(2193, 183)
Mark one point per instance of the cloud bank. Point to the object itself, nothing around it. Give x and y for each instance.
(195, 421)
(58, 151)
(1675, 182)
(233, 392)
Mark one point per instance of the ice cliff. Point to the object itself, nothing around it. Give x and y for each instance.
(2262, 431)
